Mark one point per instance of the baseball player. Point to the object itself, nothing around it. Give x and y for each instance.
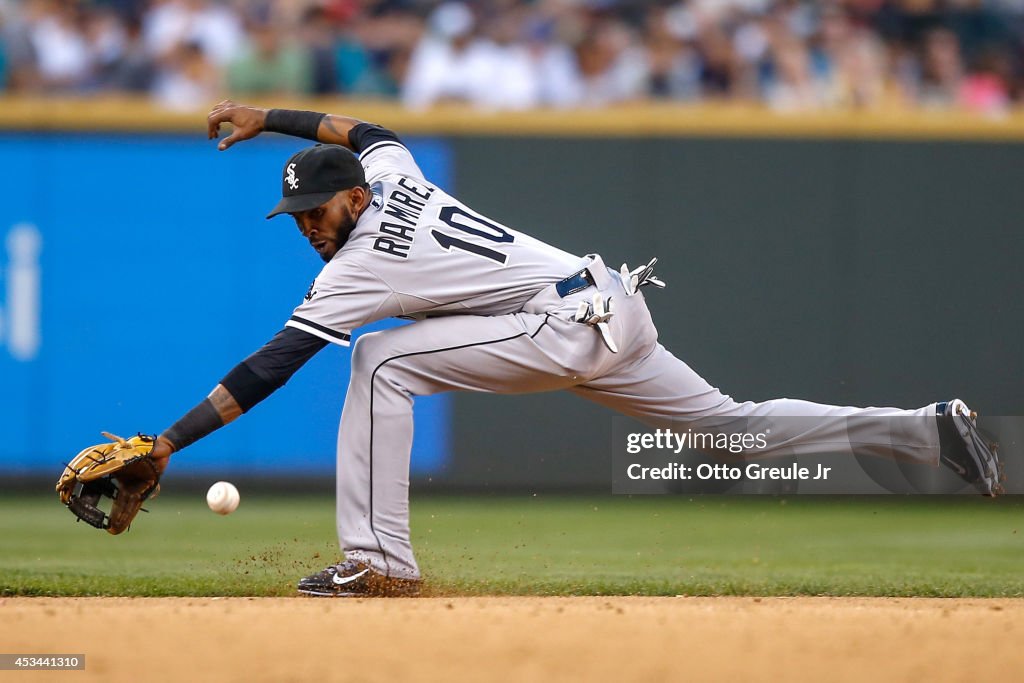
(496, 310)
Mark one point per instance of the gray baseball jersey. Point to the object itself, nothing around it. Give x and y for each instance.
(499, 322)
(418, 252)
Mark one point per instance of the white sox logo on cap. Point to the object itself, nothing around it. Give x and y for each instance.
(325, 170)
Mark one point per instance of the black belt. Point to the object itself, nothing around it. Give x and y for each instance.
(576, 282)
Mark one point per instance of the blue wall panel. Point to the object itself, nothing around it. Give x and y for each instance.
(157, 274)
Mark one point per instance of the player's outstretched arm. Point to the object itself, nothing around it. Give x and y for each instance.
(218, 409)
(249, 122)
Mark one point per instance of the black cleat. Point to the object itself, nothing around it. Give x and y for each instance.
(353, 579)
(964, 450)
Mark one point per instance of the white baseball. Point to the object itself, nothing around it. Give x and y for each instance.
(223, 498)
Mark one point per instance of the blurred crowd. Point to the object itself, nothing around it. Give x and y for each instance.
(792, 55)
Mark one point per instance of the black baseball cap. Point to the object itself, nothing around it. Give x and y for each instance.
(314, 175)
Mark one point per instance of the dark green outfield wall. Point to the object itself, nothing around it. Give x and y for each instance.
(853, 272)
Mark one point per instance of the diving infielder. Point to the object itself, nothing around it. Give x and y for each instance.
(497, 311)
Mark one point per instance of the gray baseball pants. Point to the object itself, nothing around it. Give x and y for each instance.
(542, 349)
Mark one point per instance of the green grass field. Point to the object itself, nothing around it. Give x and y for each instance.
(539, 545)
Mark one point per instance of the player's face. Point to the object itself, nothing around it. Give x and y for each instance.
(327, 226)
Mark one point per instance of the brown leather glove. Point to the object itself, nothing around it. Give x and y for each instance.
(122, 469)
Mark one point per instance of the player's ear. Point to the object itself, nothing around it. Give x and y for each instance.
(358, 196)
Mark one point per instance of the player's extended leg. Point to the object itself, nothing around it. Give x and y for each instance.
(663, 391)
(653, 385)
(473, 353)
(646, 381)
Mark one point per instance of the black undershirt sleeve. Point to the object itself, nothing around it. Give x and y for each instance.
(267, 370)
(301, 124)
(363, 135)
(194, 425)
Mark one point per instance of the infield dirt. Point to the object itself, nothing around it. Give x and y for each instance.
(519, 638)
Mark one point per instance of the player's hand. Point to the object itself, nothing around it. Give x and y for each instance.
(161, 453)
(248, 122)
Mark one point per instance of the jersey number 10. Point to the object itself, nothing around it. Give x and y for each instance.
(473, 225)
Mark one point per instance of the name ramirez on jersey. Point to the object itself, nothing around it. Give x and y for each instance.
(405, 206)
